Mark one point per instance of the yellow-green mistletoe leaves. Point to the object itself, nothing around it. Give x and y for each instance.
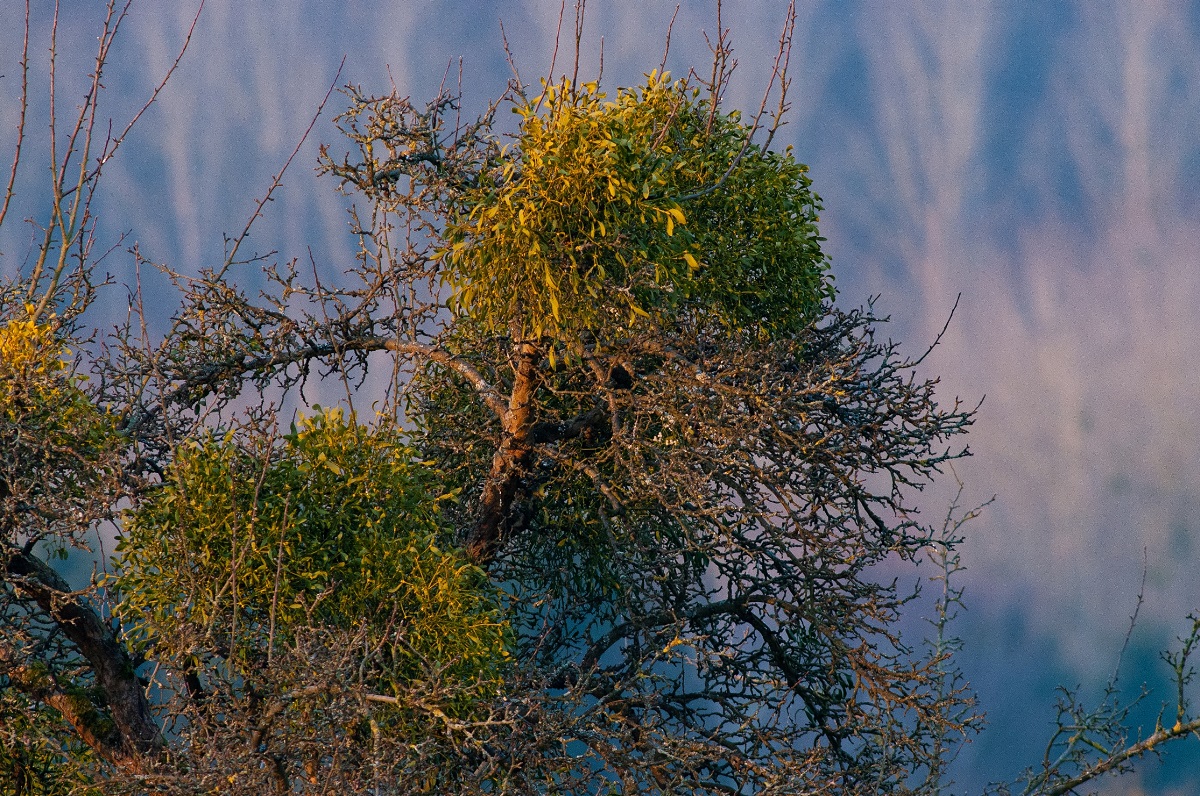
(58, 449)
(35, 374)
(27, 348)
(606, 212)
(337, 526)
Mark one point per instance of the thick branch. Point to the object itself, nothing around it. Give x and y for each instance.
(1160, 736)
(136, 734)
(77, 710)
(510, 462)
(485, 390)
(542, 433)
(209, 376)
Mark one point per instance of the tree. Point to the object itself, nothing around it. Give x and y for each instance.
(616, 525)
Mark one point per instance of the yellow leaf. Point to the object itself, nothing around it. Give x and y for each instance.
(691, 261)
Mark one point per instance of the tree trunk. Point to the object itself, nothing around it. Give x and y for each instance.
(510, 464)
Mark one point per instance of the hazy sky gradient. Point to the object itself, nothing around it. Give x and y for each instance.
(1040, 158)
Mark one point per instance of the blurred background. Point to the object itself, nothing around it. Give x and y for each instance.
(1041, 158)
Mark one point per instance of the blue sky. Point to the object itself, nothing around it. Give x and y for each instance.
(1040, 158)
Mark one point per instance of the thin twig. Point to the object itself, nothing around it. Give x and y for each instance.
(721, 73)
(113, 143)
(662, 67)
(937, 340)
(12, 175)
(231, 256)
(580, 10)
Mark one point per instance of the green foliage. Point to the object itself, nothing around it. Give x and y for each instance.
(58, 448)
(606, 212)
(335, 526)
(36, 757)
(40, 393)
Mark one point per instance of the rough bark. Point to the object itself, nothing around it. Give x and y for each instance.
(133, 736)
(510, 463)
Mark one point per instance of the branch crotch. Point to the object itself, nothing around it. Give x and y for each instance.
(504, 488)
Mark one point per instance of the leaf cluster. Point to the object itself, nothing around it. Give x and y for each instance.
(335, 525)
(603, 212)
(58, 449)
